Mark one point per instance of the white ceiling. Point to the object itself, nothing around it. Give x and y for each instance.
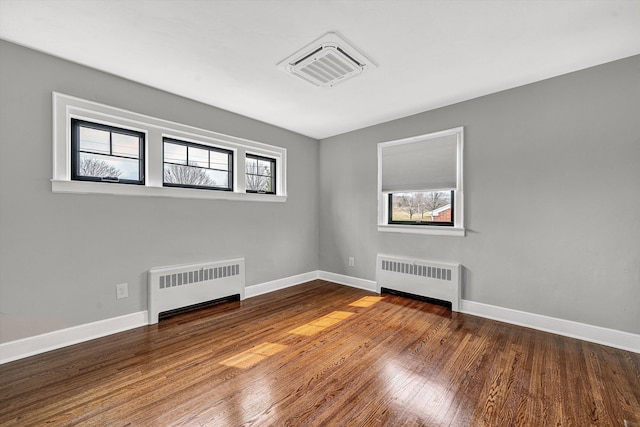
(429, 53)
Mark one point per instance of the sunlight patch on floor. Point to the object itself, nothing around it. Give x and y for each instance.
(322, 323)
(250, 357)
(365, 301)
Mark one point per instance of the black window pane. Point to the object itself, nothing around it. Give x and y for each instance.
(264, 168)
(94, 140)
(101, 152)
(194, 176)
(193, 165)
(421, 207)
(101, 166)
(175, 153)
(186, 175)
(219, 160)
(198, 157)
(125, 145)
(251, 166)
(259, 174)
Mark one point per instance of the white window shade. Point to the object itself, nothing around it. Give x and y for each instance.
(423, 165)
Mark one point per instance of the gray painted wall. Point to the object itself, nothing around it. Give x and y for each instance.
(62, 254)
(552, 200)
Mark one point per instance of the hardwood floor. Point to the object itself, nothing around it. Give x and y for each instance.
(321, 354)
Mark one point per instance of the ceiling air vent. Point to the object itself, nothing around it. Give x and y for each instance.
(326, 62)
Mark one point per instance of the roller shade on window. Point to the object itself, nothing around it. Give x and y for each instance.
(425, 165)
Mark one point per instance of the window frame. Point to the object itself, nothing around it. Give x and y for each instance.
(273, 176)
(188, 144)
(442, 229)
(66, 108)
(76, 124)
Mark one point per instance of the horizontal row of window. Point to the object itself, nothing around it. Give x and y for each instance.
(106, 153)
(420, 179)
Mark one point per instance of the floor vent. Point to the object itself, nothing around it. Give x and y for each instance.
(180, 286)
(326, 62)
(422, 278)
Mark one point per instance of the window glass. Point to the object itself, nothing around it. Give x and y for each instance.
(174, 153)
(106, 153)
(193, 165)
(198, 157)
(111, 168)
(125, 145)
(251, 166)
(260, 174)
(421, 207)
(94, 140)
(219, 160)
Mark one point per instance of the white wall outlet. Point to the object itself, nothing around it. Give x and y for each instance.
(352, 261)
(122, 290)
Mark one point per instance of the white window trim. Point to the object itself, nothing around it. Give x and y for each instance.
(66, 107)
(458, 205)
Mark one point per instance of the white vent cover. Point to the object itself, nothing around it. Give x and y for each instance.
(420, 277)
(326, 62)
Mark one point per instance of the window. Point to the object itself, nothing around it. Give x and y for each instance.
(197, 166)
(260, 174)
(106, 153)
(420, 184)
(422, 208)
(97, 148)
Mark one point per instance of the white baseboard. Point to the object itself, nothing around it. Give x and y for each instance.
(596, 334)
(599, 335)
(275, 285)
(354, 282)
(30, 346)
(18, 349)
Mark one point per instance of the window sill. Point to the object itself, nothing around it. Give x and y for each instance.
(422, 229)
(88, 187)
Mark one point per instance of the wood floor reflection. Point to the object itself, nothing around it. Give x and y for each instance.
(322, 354)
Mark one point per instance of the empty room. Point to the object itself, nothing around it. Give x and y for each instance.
(320, 213)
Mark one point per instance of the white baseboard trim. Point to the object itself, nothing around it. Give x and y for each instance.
(30, 346)
(354, 282)
(275, 285)
(596, 334)
(287, 282)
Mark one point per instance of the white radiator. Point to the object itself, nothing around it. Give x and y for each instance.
(180, 286)
(420, 277)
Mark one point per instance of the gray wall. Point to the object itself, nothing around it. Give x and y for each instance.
(62, 254)
(552, 200)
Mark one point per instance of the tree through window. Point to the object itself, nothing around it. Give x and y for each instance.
(421, 207)
(106, 153)
(260, 174)
(197, 166)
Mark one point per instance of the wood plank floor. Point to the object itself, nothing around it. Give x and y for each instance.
(321, 354)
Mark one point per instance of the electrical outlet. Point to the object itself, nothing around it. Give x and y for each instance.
(122, 290)
(352, 261)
